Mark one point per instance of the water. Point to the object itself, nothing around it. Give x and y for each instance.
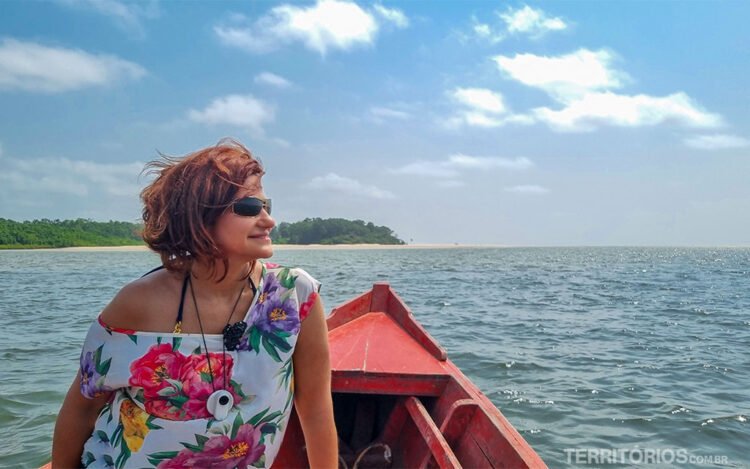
(603, 348)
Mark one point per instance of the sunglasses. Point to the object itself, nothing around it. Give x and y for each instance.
(251, 206)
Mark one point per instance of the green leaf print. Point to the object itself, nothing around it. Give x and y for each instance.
(102, 436)
(279, 342)
(166, 392)
(156, 458)
(289, 398)
(123, 457)
(117, 435)
(201, 439)
(176, 343)
(268, 428)
(197, 350)
(270, 417)
(284, 374)
(191, 447)
(133, 337)
(286, 279)
(88, 458)
(108, 460)
(255, 339)
(236, 425)
(256, 418)
(270, 349)
(151, 425)
(261, 462)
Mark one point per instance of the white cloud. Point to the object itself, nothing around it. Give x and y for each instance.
(480, 99)
(564, 76)
(34, 67)
(527, 20)
(486, 109)
(334, 182)
(482, 30)
(329, 24)
(527, 189)
(126, 15)
(393, 15)
(380, 114)
(236, 110)
(582, 83)
(268, 78)
(584, 113)
(454, 165)
(62, 188)
(478, 162)
(436, 169)
(717, 142)
(46, 176)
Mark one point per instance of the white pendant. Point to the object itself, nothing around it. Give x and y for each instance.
(220, 403)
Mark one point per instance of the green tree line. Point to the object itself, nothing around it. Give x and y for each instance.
(67, 233)
(333, 231)
(81, 232)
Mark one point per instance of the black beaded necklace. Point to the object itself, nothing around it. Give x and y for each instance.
(220, 401)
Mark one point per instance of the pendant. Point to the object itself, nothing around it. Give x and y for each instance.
(219, 404)
(233, 334)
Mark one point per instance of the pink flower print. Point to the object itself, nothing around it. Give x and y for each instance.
(222, 452)
(197, 383)
(304, 310)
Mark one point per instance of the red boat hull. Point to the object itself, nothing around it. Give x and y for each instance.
(395, 388)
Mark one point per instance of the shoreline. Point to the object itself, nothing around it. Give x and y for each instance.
(280, 247)
(365, 247)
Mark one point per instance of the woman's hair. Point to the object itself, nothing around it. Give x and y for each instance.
(186, 199)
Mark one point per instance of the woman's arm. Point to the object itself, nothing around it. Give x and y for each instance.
(312, 390)
(74, 425)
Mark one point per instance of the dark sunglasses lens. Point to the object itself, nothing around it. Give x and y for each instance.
(248, 207)
(251, 206)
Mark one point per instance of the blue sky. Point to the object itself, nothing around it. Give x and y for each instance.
(544, 123)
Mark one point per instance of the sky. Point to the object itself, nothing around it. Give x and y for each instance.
(525, 124)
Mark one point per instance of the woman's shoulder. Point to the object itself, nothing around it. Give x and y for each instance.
(141, 304)
(296, 276)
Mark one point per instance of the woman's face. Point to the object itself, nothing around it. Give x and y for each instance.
(245, 238)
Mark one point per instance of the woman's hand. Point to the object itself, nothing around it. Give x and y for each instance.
(312, 390)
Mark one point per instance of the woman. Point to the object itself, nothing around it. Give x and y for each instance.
(196, 364)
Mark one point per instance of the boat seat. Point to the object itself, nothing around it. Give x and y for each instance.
(416, 439)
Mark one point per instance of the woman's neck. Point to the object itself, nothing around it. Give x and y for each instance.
(231, 278)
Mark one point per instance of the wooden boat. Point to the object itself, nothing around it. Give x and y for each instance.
(400, 402)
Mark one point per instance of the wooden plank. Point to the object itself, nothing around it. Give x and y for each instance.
(457, 421)
(387, 383)
(439, 448)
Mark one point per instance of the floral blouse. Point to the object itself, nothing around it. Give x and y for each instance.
(157, 415)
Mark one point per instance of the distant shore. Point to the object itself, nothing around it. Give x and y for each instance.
(283, 247)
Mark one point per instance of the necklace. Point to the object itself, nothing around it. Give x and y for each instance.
(220, 401)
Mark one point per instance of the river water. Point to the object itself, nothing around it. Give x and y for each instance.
(584, 350)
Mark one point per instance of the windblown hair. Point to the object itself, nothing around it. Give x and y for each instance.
(184, 202)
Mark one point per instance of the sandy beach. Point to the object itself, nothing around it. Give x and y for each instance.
(295, 247)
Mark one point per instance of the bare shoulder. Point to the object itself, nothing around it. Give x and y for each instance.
(149, 303)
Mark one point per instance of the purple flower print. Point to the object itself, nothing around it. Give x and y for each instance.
(244, 344)
(275, 315)
(272, 313)
(92, 382)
